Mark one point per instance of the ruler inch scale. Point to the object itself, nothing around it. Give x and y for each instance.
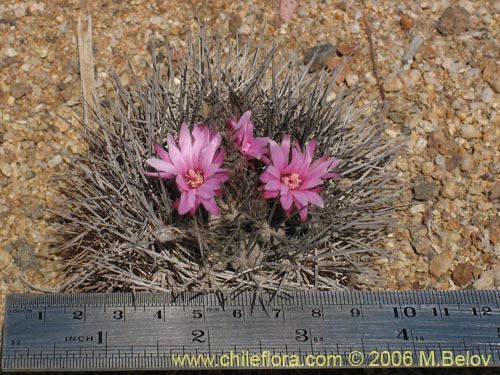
(302, 329)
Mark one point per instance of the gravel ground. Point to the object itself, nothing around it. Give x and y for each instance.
(442, 98)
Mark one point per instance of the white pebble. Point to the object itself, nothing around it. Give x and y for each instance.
(10, 52)
(469, 131)
(485, 281)
(420, 145)
(351, 79)
(20, 11)
(156, 20)
(55, 161)
(5, 169)
(417, 209)
(410, 78)
(467, 163)
(392, 83)
(487, 95)
(370, 78)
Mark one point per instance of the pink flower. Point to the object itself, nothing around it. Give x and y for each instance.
(249, 147)
(296, 181)
(195, 163)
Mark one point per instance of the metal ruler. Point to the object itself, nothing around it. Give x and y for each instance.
(251, 330)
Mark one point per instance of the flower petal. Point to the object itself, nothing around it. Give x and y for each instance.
(184, 204)
(186, 147)
(303, 213)
(191, 197)
(273, 185)
(270, 194)
(175, 156)
(162, 166)
(162, 153)
(211, 206)
(286, 201)
(308, 196)
(181, 183)
(277, 155)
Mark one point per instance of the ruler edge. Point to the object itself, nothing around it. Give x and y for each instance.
(307, 297)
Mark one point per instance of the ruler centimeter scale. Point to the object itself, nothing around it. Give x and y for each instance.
(314, 329)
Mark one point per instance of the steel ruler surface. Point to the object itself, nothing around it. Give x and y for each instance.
(302, 329)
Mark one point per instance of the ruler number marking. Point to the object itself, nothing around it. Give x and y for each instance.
(407, 311)
(483, 311)
(437, 311)
(119, 315)
(78, 315)
(197, 314)
(403, 334)
(302, 335)
(355, 312)
(277, 312)
(197, 335)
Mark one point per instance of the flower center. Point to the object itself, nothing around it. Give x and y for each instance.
(194, 178)
(291, 180)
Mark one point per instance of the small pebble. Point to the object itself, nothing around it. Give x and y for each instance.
(440, 141)
(453, 162)
(449, 190)
(485, 281)
(440, 264)
(420, 145)
(393, 83)
(156, 20)
(428, 168)
(5, 169)
(345, 49)
(321, 55)
(411, 77)
(463, 274)
(351, 79)
(484, 206)
(417, 209)
(335, 64)
(245, 29)
(61, 124)
(495, 85)
(397, 117)
(35, 212)
(468, 131)
(19, 90)
(24, 256)
(422, 246)
(5, 260)
(21, 10)
(440, 161)
(467, 163)
(10, 52)
(43, 52)
(495, 192)
(493, 227)
(453, 21)
(426, 191)
(55, 161)
(406, 22)
(487, 96)
(287, 7)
